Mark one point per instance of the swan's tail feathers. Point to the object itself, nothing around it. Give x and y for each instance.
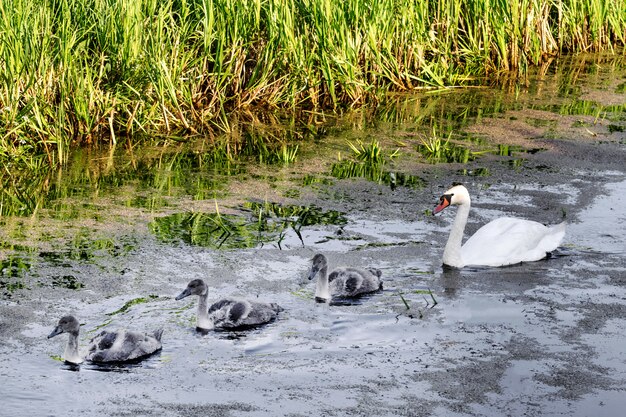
(554, 237)
(157, 334)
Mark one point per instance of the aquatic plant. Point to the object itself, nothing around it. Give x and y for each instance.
(79, 72)
(420, 313)
(433, 146)
(267, 222)
(371, 153)
(436, 149)
(133, 302)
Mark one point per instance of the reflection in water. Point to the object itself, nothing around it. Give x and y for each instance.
(120, 367)
(448, 153)
(268, 222)
(374, 172)
(450, 280)
(200, 168)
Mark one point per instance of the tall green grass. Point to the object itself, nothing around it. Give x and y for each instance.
(75, 72)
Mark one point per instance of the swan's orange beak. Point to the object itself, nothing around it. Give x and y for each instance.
(444, 202)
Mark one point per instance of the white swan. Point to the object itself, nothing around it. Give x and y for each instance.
(118, 346)
(504, 241)
(228, 313)
(344, 281)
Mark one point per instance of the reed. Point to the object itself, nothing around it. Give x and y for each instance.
(77, 72)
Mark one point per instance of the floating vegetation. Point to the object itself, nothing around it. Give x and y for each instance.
(267, 222)
(66, 281)
(303, 293)
(303, 215)
(370, 245)
(133, 302)
(206, 229)
(12, 271)
(84, 248)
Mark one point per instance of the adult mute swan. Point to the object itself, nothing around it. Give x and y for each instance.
(504, 241)
(228, 313)
(344, 281)
(118, 346)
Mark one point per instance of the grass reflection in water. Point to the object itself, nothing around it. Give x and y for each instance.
(266, 222)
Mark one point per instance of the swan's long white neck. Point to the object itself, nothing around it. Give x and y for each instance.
(452, 252)
(202, 317)
(71, 349)
(322, 289)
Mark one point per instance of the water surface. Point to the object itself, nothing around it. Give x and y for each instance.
(114, 238)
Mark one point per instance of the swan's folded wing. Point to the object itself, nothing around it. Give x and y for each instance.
(553, 238)
(353, 282)
(237, 312)
(508, 240)
(218, 305)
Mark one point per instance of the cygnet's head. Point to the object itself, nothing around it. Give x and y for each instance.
(454, 196)
(67, 324)
(195, 287)
(319, 262)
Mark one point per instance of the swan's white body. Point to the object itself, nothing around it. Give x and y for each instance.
(117, 346)
(228, 313)
(504, 241)
(343, 281)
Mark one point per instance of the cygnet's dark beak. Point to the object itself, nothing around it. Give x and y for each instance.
(184, 294)
(312, 272)
(57, 331)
